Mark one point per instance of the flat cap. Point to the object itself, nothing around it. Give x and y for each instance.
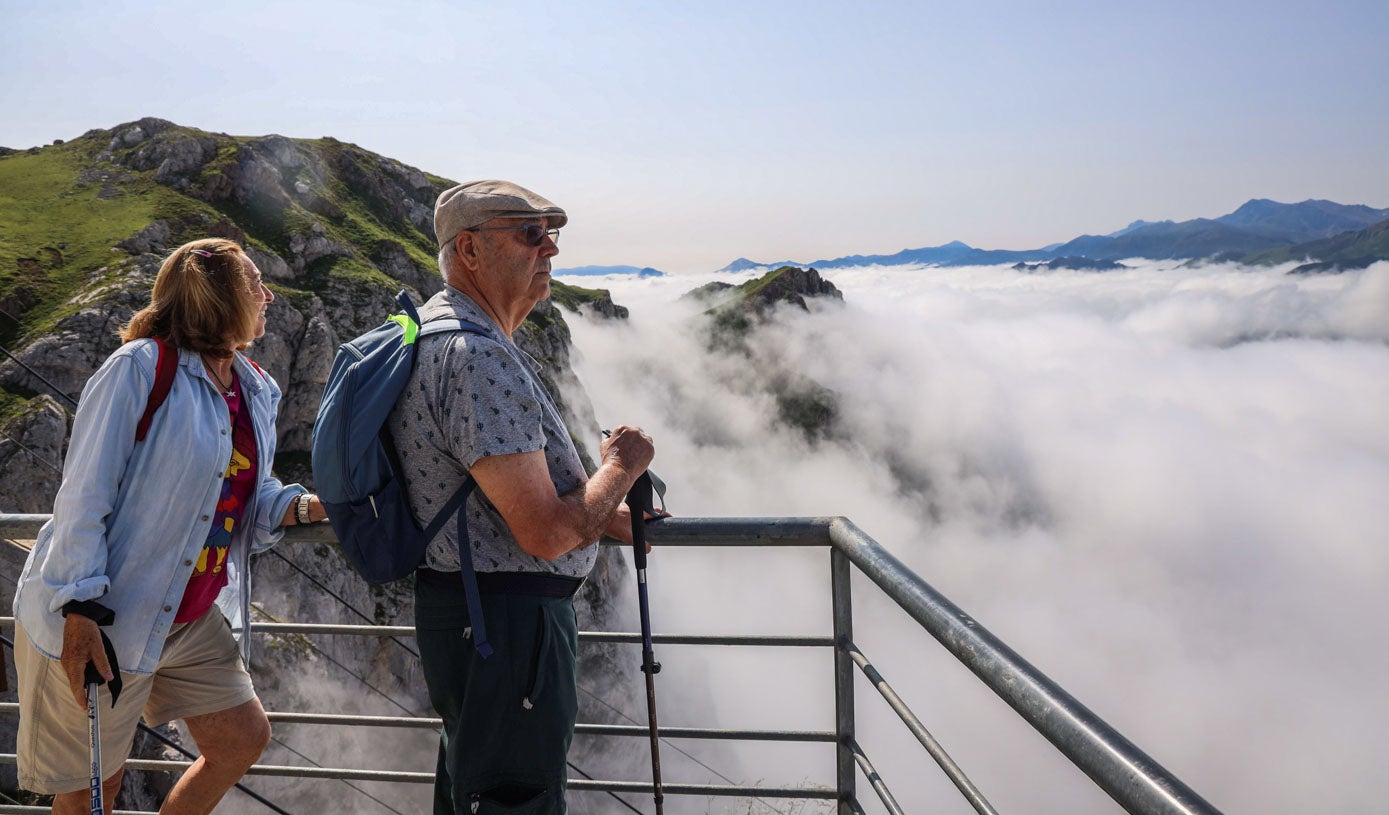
(477, 202)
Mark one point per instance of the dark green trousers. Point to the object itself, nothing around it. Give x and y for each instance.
(508, 719)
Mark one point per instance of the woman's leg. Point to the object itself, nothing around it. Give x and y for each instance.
(80, 802)
(230, 741)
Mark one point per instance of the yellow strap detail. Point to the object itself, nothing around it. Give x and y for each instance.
(411, 328)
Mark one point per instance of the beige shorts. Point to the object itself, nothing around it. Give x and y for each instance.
(199, 672)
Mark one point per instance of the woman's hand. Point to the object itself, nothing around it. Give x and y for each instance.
(81, 645)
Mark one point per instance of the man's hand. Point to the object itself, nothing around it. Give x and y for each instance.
(628, 448)
(82, 644)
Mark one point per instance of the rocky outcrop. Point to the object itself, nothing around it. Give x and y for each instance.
(734, 315)
(1079, 264)
(789, 284)
(33, 443)
(593, 302)
(153, 239)
(737, 309)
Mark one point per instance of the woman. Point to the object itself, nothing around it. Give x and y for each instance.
(158, 531)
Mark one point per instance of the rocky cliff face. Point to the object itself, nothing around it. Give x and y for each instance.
(736, 311)
(336, 231)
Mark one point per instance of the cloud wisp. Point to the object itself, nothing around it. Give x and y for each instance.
(1163, 486)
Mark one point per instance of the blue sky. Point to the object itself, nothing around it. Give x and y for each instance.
(684, 135)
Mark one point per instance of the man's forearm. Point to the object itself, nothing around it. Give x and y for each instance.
(597, 500)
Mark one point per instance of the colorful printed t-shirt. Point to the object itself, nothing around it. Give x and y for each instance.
(210, 572)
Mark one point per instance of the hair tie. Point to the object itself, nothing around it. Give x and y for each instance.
(202, 253)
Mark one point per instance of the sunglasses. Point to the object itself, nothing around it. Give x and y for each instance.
(531, 234)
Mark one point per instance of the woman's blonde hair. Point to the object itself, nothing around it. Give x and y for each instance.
(204, 297)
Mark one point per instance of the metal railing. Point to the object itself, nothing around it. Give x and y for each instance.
(1129, 776)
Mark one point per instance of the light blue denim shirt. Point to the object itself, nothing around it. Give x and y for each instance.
(130, 519)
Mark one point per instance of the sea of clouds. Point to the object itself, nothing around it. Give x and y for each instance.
(1167, 488)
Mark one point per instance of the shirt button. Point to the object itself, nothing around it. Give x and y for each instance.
(187, 563)
(168, 608)
(204, 517)
(224, 432)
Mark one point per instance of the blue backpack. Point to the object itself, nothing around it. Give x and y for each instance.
(356, 466)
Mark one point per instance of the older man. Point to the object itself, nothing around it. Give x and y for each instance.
(474, 405)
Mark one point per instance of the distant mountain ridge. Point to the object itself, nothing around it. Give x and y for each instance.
(1251, 231)
(596, 271)
(1347, 250)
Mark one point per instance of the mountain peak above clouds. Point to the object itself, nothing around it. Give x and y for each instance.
(1304, 221)
(1139, 224)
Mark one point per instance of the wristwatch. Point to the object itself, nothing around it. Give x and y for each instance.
(301, 508)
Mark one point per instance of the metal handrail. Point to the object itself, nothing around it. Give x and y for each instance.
(584, 636)
(1128, 775)
(582, 728)
(407, 777)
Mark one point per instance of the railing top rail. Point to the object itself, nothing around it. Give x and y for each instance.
(810, 531)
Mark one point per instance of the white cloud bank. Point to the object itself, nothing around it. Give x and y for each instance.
(1167, 488)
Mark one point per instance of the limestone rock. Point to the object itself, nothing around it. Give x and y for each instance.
(152, 239)
(305, 249)
(312, 362)
(31, 456)
(392, 258)
(271, 265)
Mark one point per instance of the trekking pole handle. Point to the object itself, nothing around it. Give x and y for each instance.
(638, 502)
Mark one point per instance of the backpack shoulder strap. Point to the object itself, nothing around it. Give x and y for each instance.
(456, 506)
(446, 325)
(164, 370)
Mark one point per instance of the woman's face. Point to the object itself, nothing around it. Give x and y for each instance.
(262, 294)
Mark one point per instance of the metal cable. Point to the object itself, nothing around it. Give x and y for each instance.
(345, 781)
(339, 598)
(45, 462)
(613, 794)
(345, 669)
(40, 377)
(674, 747)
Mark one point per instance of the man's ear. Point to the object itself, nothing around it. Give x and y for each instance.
(465, 245)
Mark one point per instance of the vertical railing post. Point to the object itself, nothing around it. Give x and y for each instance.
(843, 681)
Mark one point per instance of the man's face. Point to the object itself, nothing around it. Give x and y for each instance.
(514, 271)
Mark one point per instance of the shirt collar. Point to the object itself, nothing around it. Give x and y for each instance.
(193, 361)
(467, 308)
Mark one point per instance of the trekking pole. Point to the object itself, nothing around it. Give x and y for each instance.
(638, 502)
(93, 680)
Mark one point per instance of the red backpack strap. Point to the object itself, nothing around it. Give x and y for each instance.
(164, 371)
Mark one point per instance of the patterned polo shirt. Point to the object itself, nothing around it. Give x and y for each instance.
(469, 397)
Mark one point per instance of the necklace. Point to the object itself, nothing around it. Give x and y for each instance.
(226, 388)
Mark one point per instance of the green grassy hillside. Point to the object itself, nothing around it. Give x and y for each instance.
(1346, 250)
